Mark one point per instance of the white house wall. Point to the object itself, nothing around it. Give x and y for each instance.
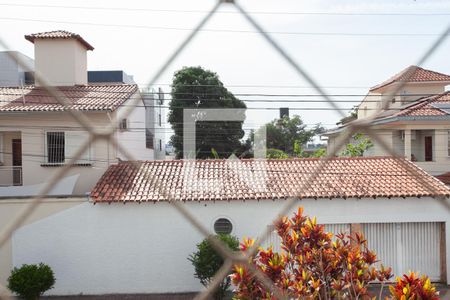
(31, 129)
(62, 62)
(133, 139)
(143, 248)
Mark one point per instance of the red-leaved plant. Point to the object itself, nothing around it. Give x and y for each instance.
(412, 287)
(314, 266)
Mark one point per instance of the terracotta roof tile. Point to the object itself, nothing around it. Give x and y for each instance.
(58, 34)
(215, 180)
(83, 98)
(414, 74)
(427, 107)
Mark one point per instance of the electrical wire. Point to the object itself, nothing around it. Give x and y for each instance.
(216, 30)
(144, 9)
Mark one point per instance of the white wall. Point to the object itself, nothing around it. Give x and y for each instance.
(11, 208)
(142, 248)
(63, 62)
(133, 138)
(154, 109)
(32, 127)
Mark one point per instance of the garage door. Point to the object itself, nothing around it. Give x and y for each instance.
(407, 246)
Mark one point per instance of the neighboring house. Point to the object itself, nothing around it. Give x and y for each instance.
(11, 73)
(133, 240)
(109, 77)
(415, 124)
(155, 120)
(38, 135)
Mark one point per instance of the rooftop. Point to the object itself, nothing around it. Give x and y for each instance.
(438, 105)
(58, 34)
(414, 74)
(81, 97)
(225, 180)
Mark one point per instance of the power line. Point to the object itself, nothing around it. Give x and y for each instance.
(347, 34)
(260, 86)
(141, 9)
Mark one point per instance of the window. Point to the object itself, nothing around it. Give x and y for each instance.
(55, 147)
(149, 139)
(393, 100)
(159, 120)
(62, 146)
(123, 124)
(223, 226)
(160, 145)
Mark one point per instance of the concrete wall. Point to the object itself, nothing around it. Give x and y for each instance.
(143, 248)
(9, 210)
(63, 62)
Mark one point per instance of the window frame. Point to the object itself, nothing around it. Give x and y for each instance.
(81, 161)
(47, 155)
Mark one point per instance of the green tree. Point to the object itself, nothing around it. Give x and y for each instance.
(288, 134)
(207, 262)
(195, 87)
(276, 154)
(357, 149)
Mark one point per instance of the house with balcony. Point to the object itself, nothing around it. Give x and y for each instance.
(415, 123)
(38, 135)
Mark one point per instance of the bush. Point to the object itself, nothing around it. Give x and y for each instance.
(31, 281)
(313, 266)
(412, 287)
(207, 262)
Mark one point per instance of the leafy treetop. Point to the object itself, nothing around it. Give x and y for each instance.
(197, 88)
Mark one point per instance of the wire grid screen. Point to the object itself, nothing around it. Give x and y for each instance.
(230, 258)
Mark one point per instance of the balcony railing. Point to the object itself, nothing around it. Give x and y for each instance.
(10, 175)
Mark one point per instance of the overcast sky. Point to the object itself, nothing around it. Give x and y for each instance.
(354, 45)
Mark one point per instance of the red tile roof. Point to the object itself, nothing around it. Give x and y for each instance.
(425, 107)
(212, 180)
(58, 34)
(414, 74)
(83, 98)
(445, 178)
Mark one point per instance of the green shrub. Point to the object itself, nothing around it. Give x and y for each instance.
(31, 281)
(207, 262)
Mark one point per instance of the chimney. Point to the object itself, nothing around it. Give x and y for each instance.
(61, 57)
(284, 112)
